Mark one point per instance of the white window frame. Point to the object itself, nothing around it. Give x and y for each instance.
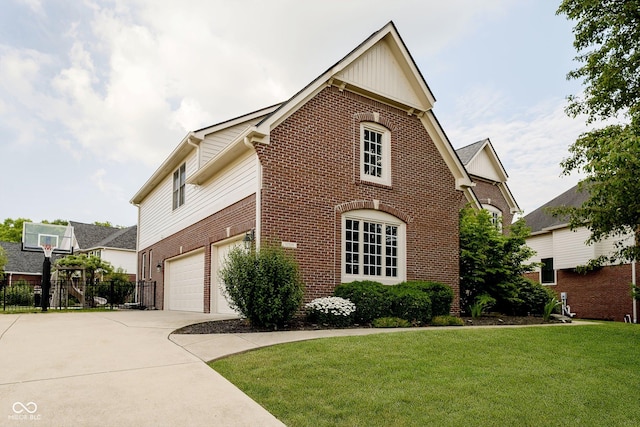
(385, 162)
(496, 215)
(372, 216)
(179, 186)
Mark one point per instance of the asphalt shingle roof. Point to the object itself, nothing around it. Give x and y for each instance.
(92, 236)
(19, 261)
(540, 219)
(466, 153)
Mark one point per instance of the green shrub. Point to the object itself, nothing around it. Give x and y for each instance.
(447, 321)
(483, 302)
(410, 304)
(372, 299)
(549, 308)
(532, 297)
(19, 294)
(264, 286)
(333, 311)
(440, 294)
(390, 322)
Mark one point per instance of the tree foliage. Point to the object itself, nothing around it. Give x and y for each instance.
(607, 37)
(492, 263)
(11, 229)
(93, 266)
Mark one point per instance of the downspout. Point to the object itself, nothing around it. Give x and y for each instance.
(258, 227)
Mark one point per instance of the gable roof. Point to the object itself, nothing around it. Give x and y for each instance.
(22, 262)
(540, 220)
(411, 94)
(90, 236)
(481, 160)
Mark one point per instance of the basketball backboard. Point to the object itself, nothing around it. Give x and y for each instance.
(40, 237)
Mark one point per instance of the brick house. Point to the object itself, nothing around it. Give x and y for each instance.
(489, 181)
(603, 293)
(353, 174)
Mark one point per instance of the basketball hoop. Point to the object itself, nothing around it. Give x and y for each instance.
(47, 249)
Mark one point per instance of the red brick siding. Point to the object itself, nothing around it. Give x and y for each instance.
(311, 169)
(602, 294)
(484, 191)
(239, 217)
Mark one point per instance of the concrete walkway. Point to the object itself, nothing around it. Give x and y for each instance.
(125, 368)
(112, 369)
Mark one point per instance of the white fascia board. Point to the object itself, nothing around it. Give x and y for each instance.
(327, 79)
(202, 133)
(506, 192)
(176, 157)
(243, 142)
(446, 151)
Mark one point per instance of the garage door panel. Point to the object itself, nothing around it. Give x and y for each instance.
(186, 283)
(219, 303)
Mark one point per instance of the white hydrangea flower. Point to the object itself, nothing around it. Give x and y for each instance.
(332, 305)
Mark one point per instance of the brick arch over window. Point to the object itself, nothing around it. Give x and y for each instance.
(375, 118)
(373, 205)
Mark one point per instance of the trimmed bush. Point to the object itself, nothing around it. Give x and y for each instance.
(264, 286)
(333, 311)
(441, 295)
(410, 304)
(447, 321)
(390, 322)
(532, 298)
(372, 299)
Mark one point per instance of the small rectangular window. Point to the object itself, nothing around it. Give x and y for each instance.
(178, 186)
(144, 265)
(375, 154)
(547, 273)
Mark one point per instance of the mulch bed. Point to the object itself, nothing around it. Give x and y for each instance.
(236, 326)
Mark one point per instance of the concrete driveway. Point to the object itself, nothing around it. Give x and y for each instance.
(112, 369)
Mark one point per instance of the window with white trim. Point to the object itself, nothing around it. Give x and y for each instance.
(496, 215)
(373, 247)
(375, 153)
(547, 272)
(179, 186)
(144, 265)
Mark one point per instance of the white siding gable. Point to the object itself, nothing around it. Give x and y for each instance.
(543, 245)
(158, 220)
(483, 166)
(377, 70)
(127, 260)
(215, 142)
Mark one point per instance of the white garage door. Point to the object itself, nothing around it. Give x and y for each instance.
(184, 283)
(219, 303)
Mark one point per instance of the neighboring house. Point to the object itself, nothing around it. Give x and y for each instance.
(112, 244)
(22, 265)
(490, 181)
(604, 293)
(353, 175)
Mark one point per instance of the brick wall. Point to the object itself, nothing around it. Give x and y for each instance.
(602, 294)
(231, 221)
(311, 172)
(484, 191)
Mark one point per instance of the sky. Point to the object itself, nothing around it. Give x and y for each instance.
(94, 94)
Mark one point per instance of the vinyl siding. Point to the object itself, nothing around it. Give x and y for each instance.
(213, 143)
(569, 248)
(543, 245)
(127, 260)
(482, 166)
(157, 219)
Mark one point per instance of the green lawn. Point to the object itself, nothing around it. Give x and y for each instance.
(541, 376)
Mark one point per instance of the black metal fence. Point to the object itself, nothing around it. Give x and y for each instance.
(71, 294)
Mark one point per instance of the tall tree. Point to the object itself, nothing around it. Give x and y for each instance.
(11, 229)
(607, 38)
(492, 263)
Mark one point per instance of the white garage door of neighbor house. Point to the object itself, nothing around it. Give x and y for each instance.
(186, 283)
(219, 303)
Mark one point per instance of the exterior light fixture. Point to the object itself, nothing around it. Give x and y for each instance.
(159, 267)
(248, 239)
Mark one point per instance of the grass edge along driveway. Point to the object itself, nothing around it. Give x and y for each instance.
(544, 376)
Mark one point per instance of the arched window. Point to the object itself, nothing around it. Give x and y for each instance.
(496, 215)
(375, 153)
(373, 247)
